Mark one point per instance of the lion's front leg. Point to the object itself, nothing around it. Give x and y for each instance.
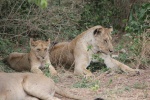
(125, 68)
(113, 64)
(52, 70)
(35, 67)
(36, 70)
(80, 67)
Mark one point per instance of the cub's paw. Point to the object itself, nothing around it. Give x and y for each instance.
(54, 73)
(37, 71)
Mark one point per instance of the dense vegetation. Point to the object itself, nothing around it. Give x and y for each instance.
(64, 19)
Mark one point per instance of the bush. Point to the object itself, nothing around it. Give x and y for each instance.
(106, 13)
(20, 20)
(4, 45)
(139, 19)
(138, 33)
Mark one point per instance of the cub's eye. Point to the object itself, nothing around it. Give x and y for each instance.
(38, 49)
(45, 49)
(105, 41)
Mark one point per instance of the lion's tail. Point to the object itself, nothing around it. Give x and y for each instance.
(72, 96)
(10, 56)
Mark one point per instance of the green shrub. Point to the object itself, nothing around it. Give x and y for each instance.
(104, 12)
(41, 3)
(138, 35)
(84, 83)
(5, 47)
(139, 19)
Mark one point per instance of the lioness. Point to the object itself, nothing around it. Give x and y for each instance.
(29, 86)
(80, 51)
(37, 58)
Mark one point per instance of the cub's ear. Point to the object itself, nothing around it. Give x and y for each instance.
(31, 39)
(32, 42)
(110, 29)
(49, 40)
(97, 31)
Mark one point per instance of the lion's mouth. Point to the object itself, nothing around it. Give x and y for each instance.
(98, 52)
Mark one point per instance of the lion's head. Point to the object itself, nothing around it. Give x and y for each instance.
(103, 40)
(40, 48)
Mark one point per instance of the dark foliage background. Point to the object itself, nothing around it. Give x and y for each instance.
(64, 19)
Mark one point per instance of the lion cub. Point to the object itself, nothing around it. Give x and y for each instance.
(37, 58)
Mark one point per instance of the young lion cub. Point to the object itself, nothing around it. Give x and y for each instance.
(37, 58)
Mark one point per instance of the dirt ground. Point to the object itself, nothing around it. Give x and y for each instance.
(110, 87)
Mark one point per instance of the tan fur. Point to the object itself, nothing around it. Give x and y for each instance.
(37, 58)
(29, 86)
(96, 40)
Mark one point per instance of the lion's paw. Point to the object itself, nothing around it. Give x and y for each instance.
(134, 72)
(54, 73)
(37, 71)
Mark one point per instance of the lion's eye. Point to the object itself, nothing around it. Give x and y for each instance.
(105, 41)
(38, 49)
(45, 49)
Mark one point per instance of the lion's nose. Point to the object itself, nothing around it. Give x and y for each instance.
(98, 51)
(110, 51)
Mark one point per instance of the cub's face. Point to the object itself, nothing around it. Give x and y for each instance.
(103, 40)
(40, 48)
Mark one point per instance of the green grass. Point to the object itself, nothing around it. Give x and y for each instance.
(139, 86)
(5, 68)
(85, 83)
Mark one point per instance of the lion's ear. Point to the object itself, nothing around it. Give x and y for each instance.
(32, 44)
(97, 31)
(31, 39)
(111, 29)
(49, 40)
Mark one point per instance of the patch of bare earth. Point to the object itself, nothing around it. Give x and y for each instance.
(111, 87)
